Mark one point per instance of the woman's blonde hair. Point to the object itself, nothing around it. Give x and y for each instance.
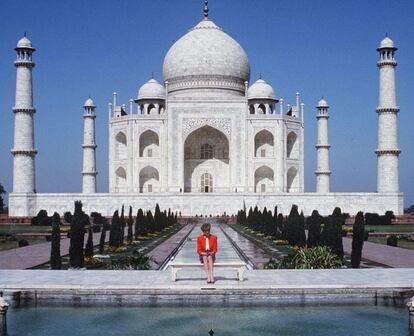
(206, 227)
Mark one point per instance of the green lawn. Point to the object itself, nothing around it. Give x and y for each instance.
(401, 242)
(23, 229)
(391, 228)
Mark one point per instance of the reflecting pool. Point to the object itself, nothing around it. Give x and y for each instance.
(309, 319)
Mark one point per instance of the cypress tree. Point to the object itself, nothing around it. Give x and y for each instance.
(121, 227)
(157, 219)
(130, 222)
(262, 221)
(295, 228)
(140, 224)
(150, 222)
(55, 258)
(314, 229)
(282, 227)
(89, 244)
(77, 236)
(274, 231)
(332, 233)
(102, 239)
(114, 233)
(250, 219)
(357, 240)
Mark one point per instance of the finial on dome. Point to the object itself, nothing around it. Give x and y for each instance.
(25, 34)
(205, 9)
(152, 75)
(260, 75)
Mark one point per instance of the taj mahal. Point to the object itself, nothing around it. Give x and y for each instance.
(206, 140)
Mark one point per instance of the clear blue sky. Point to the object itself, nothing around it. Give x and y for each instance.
(95, 47)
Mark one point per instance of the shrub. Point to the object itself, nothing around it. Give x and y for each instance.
(138, 261)
(23, 243)
(392, 240)
(41, 219)
(319, 257)
(67, 216)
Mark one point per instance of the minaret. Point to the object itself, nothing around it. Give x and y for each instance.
(24, 152)
(322, 149)
(387, 150)
(89, 157)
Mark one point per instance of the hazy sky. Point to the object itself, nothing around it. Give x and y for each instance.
(320, 48)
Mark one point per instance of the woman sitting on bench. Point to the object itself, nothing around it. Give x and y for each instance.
(207, 249)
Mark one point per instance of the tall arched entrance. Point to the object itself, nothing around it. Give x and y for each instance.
(206, 161)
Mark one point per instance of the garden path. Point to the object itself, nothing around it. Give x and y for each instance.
(383, 254)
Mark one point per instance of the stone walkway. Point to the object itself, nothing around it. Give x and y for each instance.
(383, 254)
(33, 255)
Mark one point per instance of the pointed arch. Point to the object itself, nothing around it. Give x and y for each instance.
(264, 179)
(148, 180)
(120, 146)
(292, 180)
(292, 147)
(149, 144)
(264, 144)
(120, 178)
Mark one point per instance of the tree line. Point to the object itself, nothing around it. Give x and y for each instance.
(80, 224)
(322, 231)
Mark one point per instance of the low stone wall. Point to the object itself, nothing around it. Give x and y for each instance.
(206, 204)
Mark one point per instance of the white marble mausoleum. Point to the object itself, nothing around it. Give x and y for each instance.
(205, 140)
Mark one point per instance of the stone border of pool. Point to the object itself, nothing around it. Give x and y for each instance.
(155, 288)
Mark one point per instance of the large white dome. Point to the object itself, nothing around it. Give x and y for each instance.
(206, 57)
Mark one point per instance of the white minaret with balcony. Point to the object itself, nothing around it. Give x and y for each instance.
(24, 152)
(322, 149)
(89, 146)
(387, 150)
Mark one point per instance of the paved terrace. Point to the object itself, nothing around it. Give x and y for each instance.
(155, 287)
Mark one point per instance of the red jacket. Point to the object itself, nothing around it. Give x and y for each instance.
(201, 244)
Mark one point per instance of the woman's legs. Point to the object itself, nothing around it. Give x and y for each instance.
(210, 264)
(206, 267)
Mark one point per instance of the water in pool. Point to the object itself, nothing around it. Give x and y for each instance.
(306, 319)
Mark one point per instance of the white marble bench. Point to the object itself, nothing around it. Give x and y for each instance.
(238, 265)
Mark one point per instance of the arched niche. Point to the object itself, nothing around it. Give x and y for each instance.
(148, 180)
(121, 178)
(264, 144)
(292, 147)
(121, 146)
(264, 179)
(149, 144)
(292, 180)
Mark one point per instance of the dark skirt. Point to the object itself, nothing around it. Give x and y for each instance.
(208, 254)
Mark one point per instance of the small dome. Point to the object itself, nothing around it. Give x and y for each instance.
(24, 42)
(261, 90)
(89, 103)
(151, 90)
(387, 43)
(323, 103)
